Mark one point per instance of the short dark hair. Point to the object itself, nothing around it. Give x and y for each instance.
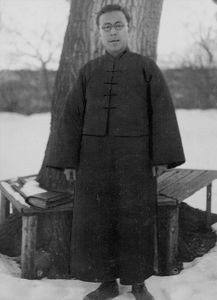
(110, 8)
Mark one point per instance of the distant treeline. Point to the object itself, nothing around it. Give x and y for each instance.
(26, 91)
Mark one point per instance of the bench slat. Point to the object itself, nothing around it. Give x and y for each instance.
(182, 181)
(176, 176)
(192, 183)
(165, 176)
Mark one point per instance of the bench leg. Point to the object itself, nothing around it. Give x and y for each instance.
(4, 208)
(156, 247)
(29, 233)
(208, 204)
(172, 242)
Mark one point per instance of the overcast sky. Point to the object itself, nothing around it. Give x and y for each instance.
(179, 25)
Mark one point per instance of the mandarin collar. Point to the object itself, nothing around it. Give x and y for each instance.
(123, 53)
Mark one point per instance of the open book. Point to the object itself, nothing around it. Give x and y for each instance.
(38, 197)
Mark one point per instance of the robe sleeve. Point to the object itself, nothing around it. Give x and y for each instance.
(65, 146)
(166, 141)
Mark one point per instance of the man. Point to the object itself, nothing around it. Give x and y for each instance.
(117, 127)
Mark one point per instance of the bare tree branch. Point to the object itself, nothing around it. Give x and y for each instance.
(35, 50)
(203, 53)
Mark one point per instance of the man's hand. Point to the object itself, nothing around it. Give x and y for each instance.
(158, 170)
(70, 175)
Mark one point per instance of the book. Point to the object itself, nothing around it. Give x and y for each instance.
(49, 199)
(38, 197)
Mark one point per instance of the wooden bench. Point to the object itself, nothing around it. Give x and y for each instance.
(174, 186)
(10, 200)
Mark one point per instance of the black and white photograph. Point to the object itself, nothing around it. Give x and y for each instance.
(108, 149)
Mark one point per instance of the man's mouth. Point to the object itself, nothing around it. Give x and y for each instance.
(114, 41)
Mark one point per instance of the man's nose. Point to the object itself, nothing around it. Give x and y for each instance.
(113, 31)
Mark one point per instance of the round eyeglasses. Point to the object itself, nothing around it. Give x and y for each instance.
(117, 26)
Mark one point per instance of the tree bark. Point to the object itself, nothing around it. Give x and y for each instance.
(81, 43)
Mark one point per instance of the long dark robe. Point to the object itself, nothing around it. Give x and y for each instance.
(104, 133)
(114, 212)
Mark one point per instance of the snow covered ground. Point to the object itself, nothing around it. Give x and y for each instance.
(22, 145)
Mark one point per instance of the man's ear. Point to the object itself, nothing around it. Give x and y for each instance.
(129, 30)
(129, 27)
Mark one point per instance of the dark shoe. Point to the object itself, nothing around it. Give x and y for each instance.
(141, 293)
(106, 291)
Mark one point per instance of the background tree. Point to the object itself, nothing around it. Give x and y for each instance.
(203, 52)
(40, 53)
(201, 64)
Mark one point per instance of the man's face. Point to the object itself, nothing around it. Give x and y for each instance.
(114, 39)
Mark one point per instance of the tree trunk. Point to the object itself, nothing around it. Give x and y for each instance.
(81, 44)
